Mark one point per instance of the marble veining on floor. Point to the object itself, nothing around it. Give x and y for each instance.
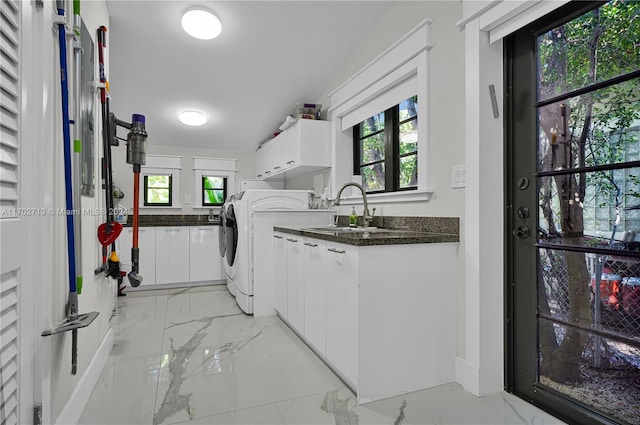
(190, 356)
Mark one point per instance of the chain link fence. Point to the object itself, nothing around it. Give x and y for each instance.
(615, 301)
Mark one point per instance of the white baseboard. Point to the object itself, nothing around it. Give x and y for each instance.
(80, 396)
(468, 376)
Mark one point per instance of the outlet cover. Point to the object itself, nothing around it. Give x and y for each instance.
(458, 176)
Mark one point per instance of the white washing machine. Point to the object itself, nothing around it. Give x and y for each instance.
(239, 230)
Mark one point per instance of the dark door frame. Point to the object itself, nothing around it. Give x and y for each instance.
(521, 270)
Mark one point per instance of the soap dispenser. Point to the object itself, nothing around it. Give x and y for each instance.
(353, 218)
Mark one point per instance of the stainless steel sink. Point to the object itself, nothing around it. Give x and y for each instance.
(334, 229)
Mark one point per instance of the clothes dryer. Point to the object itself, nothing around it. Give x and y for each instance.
(239, 231)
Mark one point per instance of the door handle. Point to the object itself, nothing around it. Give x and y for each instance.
(523, 232)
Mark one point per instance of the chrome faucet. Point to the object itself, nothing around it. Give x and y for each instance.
(366, 218)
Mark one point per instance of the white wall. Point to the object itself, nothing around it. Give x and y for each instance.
(98, 293)
(447, 117)
(123, 173)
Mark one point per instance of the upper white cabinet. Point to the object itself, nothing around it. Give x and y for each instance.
(299, 150)
(204, 254)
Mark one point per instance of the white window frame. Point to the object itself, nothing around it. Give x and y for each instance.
(404, 64)
(162, 165)
(214, 167)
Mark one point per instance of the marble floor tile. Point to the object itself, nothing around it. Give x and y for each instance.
(190, 356)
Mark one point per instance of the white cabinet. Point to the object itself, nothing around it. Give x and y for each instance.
(295, 285)
(147, 252)
(280, 273)
(172, 254)
(301, 149)
(363, 305)
(315, 293)
(342, 308)
(205, 262)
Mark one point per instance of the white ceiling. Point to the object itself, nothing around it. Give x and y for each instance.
(270, 56)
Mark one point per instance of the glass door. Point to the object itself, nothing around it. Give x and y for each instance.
(574, 212)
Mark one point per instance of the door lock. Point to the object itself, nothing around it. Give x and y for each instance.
(523, 212)
(523, 232)
(523, 183)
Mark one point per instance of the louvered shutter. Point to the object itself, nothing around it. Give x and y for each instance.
(9, 201)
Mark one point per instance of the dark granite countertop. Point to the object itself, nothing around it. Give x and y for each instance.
(174, 220)
(363, 237)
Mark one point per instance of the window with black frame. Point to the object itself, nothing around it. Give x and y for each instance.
(385, 149)
(214, 191)
(157, 190)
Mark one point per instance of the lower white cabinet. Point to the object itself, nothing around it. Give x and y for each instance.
(280, 273)
(295, 285)
(315, 293)
(172, 254)
(147, 252)
(175, 254)
(204, 254)
(364, 306)
(342, 308)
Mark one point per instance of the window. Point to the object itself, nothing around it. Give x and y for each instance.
(215, 178)
(214, 190)
(395, 79)
(157, 190)
(385, 149)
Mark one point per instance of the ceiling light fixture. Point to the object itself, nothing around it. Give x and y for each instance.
(201, 23)
(192, 118)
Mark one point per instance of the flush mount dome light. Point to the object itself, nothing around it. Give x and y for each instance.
(201, 23)
(192, 118)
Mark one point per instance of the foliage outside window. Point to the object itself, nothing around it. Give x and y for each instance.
(157, 190)
(386, 149)
(214, 190)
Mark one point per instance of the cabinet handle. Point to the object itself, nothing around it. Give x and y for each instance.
(267, 172)
(141, 229)
(337, 251)
(277, 167)
(259, 175)
(292, 240)
(290, 162)
(312, 245)
(277, 237)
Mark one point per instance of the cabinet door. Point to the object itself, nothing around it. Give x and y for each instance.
(172, 254)
(147, 254)
(295, 286)
(204, 254)
(280, 273)
(342, 308)
(315, 293)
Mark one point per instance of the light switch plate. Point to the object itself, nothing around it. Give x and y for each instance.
(458, 176)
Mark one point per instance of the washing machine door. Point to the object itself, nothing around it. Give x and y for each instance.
(231, 235)
(221, 231)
